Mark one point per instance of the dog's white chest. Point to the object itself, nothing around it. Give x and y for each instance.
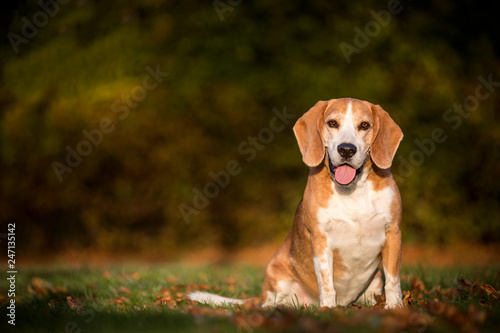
(355, 228)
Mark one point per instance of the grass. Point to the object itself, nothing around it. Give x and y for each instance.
(139, 298)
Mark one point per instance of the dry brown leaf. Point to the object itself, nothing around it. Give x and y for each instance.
(436, 289)
(165, 292)
(167, 300)
(230, 280)
(380, 301)
(436, 307)
(489, 290)
(356, 306)
(122, 300)
(451, 292)
(475, 289)
(40, 286)
(162, 301)
(408, 299)
(124, 290)
(252, 303)
(417, 285)
(464, 282)
(59, 290)
(73, 303)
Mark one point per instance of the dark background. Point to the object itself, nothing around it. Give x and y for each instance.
(228, 71)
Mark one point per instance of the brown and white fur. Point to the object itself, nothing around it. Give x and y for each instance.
(341, 232)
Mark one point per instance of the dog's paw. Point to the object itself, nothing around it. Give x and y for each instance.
(327, 304)
(393, 305)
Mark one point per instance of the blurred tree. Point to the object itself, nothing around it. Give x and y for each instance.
(225, 79)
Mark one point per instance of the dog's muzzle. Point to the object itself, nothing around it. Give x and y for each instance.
(344, 174)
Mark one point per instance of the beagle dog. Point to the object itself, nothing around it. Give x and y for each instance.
(348, 220)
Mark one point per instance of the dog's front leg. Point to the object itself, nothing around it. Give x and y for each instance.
(323, 267)
(391, 256)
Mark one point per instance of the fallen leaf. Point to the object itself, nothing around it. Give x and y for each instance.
(73, 303)
(464, 282)
(436, 307)
(380, 300)
(490, 290)
(124, 290)
(230, 280)
(436, 289)
(417, 285)
(122, 300)
(59, 290)
(40, 286)
(252, 303)
(355, 306)
(408, 299)
(475, 289)
(165, 292)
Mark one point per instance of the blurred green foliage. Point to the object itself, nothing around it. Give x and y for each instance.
(225, 78)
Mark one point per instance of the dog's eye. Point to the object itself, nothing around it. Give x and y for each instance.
(333, 124)
(364, 126)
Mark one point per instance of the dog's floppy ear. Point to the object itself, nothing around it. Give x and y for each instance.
(388, 135)
(306, 131)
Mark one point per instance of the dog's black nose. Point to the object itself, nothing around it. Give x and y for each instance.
(346, 150)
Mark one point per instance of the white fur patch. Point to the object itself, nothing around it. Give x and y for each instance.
(288, 293)
(393, 296)
(354, 224)
(212, 299)
(347, 133)
(323, 267)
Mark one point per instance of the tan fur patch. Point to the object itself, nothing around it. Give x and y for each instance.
(338, 265)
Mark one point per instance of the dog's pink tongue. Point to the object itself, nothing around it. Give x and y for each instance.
(344, 174)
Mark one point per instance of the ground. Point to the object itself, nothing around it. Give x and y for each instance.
(150, 297)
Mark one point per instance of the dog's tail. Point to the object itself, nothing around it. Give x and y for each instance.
(212, 299)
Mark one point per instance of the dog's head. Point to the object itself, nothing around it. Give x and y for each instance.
(350, 130)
